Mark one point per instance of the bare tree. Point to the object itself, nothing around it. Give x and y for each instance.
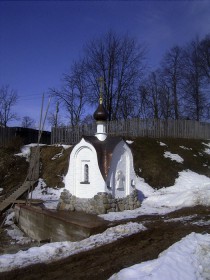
(54, 117)
(172, 75)
(28, 122)
(88, 119)
(120, 61)
(150, 93)
(195, 82)
(204, 53)
(8, 98)
(73, 94)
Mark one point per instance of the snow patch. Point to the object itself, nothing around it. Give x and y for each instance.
(185, 148)
(174, 157)
(207, 151)
(59, 250)
(181, 219)
(162, 144)
(62, 145)
(9, 220)
(57, 156)
(49, 195)
(16, 234)
(190, 189)
(201, 223)
(187, 259)
(26, 150)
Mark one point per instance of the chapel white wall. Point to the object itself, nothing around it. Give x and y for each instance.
(122, 160)
(84, 153)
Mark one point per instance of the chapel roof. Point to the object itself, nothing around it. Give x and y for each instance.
(104, 151)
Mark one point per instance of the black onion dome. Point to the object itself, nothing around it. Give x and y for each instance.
(100, 113)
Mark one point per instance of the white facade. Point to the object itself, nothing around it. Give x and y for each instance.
(121, 176)
(101, 131)
(84, 178)
(83, 159)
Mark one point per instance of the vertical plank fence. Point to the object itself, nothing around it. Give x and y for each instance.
(6, 135)
(136, 127)
(28, 135)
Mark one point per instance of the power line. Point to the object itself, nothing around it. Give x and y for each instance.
(34, 94)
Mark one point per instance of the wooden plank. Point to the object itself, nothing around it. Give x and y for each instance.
(136, 127)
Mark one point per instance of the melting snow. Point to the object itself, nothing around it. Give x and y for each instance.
(173, 157)
(58, 250)
(26, 150)
(162, 144)
(16, 234)
(185, 148)
(49, 195)
(187, 259)
(190, 189)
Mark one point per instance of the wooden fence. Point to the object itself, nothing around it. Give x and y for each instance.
(28, 135)
(136, 127)
(6, 135)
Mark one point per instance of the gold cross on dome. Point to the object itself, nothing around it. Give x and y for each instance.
(101, 81)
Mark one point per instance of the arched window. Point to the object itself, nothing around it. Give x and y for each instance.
(86, 173)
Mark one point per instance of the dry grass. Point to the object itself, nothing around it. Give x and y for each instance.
(158, 171)
(149, 162)
(54, 165)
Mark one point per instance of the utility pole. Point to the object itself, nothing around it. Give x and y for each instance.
(56, 114)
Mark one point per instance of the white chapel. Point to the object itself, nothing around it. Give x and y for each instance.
(100, 163)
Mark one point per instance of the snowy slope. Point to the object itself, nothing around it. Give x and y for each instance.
(187, 259)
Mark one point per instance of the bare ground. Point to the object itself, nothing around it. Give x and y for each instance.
(102, 262)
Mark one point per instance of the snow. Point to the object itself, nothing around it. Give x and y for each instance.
(58, 250)
(174, 157)
(26, 150)
(16, 234)
(57, 156)
(9, 218)
(187, 259)
(190, 189)
(49, 195)
(207, 151)
(185, 148)
(181, 219)
(62, 145)
(162, 144)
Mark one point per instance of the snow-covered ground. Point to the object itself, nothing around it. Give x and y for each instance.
(26, 150)
(190, 189)
(174, 157)
(50, 196)
(58, 250)
(187, 259)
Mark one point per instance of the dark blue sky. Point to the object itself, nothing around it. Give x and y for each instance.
(40, 39)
